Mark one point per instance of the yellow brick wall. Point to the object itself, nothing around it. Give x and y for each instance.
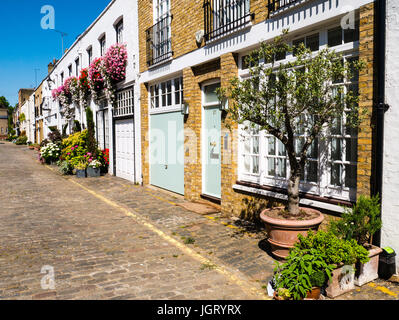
(188, 18)
(366, 91)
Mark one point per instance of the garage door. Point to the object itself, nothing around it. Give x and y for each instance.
(124, 131)
(167, 151)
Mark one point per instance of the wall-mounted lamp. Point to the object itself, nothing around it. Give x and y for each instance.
(185, 108)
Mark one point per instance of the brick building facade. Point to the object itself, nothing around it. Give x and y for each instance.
(169, 48)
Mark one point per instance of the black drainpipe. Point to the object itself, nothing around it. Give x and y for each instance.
(380, 106)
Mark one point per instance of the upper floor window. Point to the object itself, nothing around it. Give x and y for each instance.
(103, 45)
(224, 16)
(70, 70)
(77, 65)
(119, 31)
(62, 77)
(89, 55)
(158, 37)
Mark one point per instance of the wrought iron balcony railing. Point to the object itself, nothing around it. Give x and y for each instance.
(275, 5)
(159, 44)
(221, 17)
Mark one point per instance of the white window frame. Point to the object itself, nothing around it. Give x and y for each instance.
(323, 186)
(119, 31)
(153, 93)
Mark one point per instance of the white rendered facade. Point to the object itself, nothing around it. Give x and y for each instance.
(117, 22)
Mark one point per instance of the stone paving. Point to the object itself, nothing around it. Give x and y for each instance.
(107, 238)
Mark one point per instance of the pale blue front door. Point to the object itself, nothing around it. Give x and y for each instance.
(167, 151)
(211, 140)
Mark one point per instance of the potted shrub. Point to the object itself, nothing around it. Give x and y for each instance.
(51, 152)
(81, 169)
(342, 254)
(303, 275)
(94, 168)
(287, 99)
(360, 224)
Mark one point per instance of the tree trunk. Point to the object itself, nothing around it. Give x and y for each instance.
(293, 194)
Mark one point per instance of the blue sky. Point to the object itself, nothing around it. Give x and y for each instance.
(25, 46)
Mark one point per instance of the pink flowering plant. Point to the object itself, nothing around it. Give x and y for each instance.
(96, 81)
(113, 69)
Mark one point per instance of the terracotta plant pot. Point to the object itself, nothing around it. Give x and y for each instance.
(369, 271)
(283, 233)
(314, 294)
(342, 281)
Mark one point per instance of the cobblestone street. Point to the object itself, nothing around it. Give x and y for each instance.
(106, 238)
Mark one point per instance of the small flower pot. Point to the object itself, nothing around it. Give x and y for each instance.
(314, 294)
(81, 173)
(93, 172)
(369, 271)
(342, 281)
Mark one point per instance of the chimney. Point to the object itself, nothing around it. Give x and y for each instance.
(50, 67)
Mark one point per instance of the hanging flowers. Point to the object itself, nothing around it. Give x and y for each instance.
(113, 69)
(84, 88)
(73, 86)
(96, 81)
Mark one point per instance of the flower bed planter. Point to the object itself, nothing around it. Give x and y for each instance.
(369, 271)
(342, 281)
(93, 172)
(81, 173)
(283, 233)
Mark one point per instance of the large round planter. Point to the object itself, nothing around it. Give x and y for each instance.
(93, 172)
(283, 233)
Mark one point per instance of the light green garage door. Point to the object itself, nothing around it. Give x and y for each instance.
(167, 151)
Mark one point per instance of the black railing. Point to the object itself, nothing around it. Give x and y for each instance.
(224, 16)
(159, 44)
(275, 5)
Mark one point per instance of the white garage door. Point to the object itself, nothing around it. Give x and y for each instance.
(124, 130)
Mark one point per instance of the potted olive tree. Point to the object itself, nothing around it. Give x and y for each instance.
(300, 97)
(360, 224)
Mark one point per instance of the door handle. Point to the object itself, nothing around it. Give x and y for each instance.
(166, 167)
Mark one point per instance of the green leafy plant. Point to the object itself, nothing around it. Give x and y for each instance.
(65, 167)
(360, 223)
(300, 95)
(21, 140)
(302, 268)
(50, 152)
(81, 165)
(318, 279)
(337, 251)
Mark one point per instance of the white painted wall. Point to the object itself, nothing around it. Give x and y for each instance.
(390, 198)
(104, 24)
(28, 108)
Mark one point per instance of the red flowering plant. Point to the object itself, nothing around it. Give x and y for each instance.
(105, 154)
(84, 87)
(113, 69)
(96, 81)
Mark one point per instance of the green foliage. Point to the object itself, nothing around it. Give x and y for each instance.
(82, 165)
(298, 96)
(76, 126)
(21, 140)
(91, 140)
(22, 117)
(360, 223)
(64, 129)
(284, 293)
(74, 148)
(301, 267)
(318, 279)
(65, 167)
(337, 251)
(55, 136)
